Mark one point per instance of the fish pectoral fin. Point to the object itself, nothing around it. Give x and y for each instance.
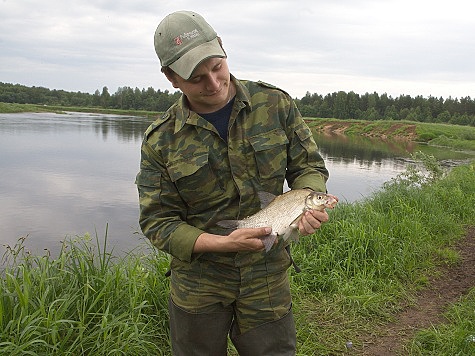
(291, 233)
(269, 241)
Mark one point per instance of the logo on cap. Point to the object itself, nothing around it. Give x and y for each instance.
(186, 36)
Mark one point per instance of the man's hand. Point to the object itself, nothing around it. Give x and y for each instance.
(312, 220)
(238, 240)
(248, 239)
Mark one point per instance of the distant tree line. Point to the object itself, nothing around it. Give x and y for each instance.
(124, 98)
(340, 105)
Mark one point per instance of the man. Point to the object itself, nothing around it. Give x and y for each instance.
(204, 161)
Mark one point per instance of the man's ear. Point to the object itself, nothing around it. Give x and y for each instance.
(171, 76)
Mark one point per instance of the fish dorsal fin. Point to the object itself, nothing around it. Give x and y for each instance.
(265, 198)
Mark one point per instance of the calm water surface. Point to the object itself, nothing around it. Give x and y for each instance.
(70, 174)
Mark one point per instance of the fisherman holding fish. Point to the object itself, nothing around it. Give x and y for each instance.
(209, 165)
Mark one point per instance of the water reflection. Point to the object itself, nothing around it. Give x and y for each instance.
(67, 175)
(364, 149)
(123, 128)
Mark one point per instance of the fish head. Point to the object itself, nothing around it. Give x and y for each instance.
(319, 201)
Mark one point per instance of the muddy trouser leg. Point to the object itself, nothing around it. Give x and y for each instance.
(199, 334)
(276, 338)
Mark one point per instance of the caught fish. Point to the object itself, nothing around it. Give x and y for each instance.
(282, 213)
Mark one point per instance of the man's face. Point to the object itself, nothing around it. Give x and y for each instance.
(208, 88)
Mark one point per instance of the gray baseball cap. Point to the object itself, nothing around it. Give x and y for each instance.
(183, 40)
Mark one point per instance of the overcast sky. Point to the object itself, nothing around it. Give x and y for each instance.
(410, 47)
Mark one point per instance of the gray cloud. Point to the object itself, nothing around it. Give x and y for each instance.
(398, 47)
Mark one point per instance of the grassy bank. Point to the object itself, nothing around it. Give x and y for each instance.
(356, 271)
(9, 108)
(84, 302)
(454, 136)
(376, 253)
(17, 108)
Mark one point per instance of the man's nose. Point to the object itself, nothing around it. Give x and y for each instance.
(213, 83)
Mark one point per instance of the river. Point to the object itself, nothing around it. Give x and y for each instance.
(65, 175)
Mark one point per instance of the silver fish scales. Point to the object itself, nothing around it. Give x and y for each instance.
(282, 213)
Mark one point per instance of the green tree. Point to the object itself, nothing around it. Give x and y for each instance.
(96, 98)
(371, 114)
(105, 97)
(353, 106)
(443, 117)
(340, 110)
(391, 113)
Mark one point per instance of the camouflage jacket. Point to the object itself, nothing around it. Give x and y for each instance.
(190, 178)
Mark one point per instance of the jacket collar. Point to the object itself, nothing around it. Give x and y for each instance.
(186, 116)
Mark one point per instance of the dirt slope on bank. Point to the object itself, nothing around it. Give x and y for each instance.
(398, 131)
(450, 284)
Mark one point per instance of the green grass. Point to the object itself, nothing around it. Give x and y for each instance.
(99, 110)
(16, 108)
(356, 271)
(432, 130)
(456, 337)
(84, 302)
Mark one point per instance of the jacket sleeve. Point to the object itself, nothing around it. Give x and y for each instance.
(305, 167)
(162, 211)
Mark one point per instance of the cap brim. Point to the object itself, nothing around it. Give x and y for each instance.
(186, 64)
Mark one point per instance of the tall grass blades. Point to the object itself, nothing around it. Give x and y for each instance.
(84, 302)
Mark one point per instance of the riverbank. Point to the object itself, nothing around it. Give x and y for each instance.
(452, 136)
(359, 271)
(17, 108)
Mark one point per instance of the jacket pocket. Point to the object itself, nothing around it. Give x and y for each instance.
(196, 182)
(270, 152)
(148, 178)
(308, 143)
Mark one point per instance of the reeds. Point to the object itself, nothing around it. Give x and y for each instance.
(84, 302)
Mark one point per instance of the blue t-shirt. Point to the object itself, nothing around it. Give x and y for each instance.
(220, 119)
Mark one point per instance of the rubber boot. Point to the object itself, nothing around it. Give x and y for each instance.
(198, 334)
(276, 338)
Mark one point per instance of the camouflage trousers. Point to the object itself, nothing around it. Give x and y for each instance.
(210, 300)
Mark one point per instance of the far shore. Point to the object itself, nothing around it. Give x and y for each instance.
(452, 136)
